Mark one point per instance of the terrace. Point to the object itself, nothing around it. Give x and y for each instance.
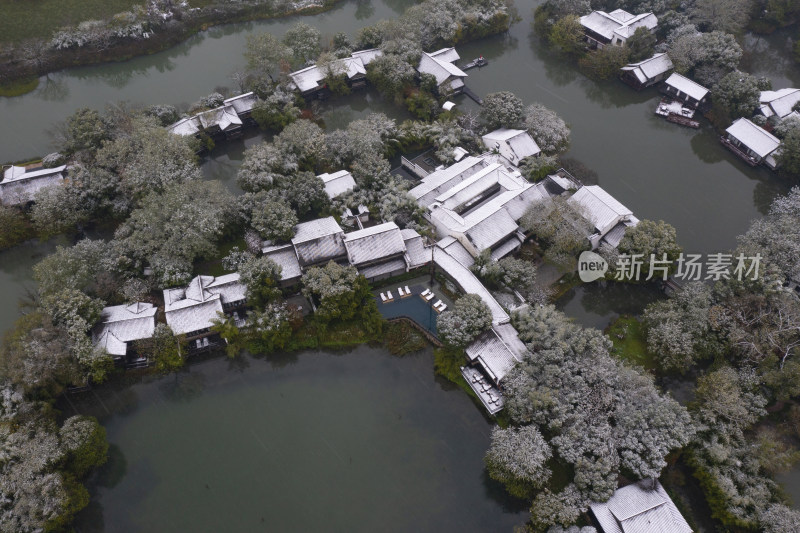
(413, 306)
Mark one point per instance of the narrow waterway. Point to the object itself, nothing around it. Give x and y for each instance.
(356, 441)
(410, 473)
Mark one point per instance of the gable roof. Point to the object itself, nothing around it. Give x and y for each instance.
(440, 65)
(618, 22)
(440, 180)
(286, 257)
(494, 353)
(120, 324)
(600, 208)
(687, 86)
(779, 102)
(754, 137)
(308, 79)
(337, 183)
(17, 174)
(319, 240)
(650, 68)
(643, 507)
(376, 242)
(518, 144)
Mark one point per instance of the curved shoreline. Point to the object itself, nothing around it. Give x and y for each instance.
(18, 78)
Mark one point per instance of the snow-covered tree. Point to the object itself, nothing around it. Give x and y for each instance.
(549, 130)
(468, 318)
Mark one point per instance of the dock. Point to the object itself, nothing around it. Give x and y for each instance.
(477, 62)
(677, 113)
(466, 90)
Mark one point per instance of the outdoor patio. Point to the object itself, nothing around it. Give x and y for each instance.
(413, 306)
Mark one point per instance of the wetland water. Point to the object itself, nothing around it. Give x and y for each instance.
(174, 434)
(315, 441)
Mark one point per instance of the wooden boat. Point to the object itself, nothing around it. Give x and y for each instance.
(477, 62)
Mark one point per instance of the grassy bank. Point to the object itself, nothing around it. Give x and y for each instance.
(38, 19)
(16, 67)
(630, 345)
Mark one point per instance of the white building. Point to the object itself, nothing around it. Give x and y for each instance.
(643, 507)
(337, 183)
(441, 65)
(310, 79)
(648, 72)
(752, 143)
(687, 91)
(608, 217)
(191, 310)
(479, 202)
(615, 28)
(227, 119)
(319, 241)
(20, 184)
(121, 324)
(514, 145)
(778, 103)
(377, 252)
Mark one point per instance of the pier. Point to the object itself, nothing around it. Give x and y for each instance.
(466, 90)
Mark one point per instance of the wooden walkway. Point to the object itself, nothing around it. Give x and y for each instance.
(466, 90)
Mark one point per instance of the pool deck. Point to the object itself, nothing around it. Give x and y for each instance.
(413, 306)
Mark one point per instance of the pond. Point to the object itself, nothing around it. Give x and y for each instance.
(356, 441)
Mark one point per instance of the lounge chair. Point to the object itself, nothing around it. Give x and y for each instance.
(400, 292)
(383, 298)
(408, 292)
(429, 297)
(425, 292)
(442, 307)
(389, 295)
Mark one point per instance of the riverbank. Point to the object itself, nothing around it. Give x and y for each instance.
(21, 66)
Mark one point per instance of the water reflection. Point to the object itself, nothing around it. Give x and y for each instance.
(270, 444)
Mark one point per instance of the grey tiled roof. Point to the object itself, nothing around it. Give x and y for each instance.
(371, 244)
(643, 507)
(319, 241)
(120, 324)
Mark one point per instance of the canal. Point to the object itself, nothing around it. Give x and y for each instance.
(355, 441)
(657, 169)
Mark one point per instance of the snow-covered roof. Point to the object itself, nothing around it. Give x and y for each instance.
(193, 307)
(17, 174)
(497, 349)
(314, 229)
(599, 207)
(224, 117)
(20, 185)
(374, 243)
(453, 246)
(469, 283)
(619, 23)
(650, 68)
(643, 507)
(337, 183)
(687, 86)
(308, 79)
(416, 253)
(319, 240)
(514, 145)
(242, 103)
(383, 268)
(441, 180)
(286, 257)
(120, 324)
(186, 126)
(779, 102)
(492, 229)
(757, 139)
(440, 65)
